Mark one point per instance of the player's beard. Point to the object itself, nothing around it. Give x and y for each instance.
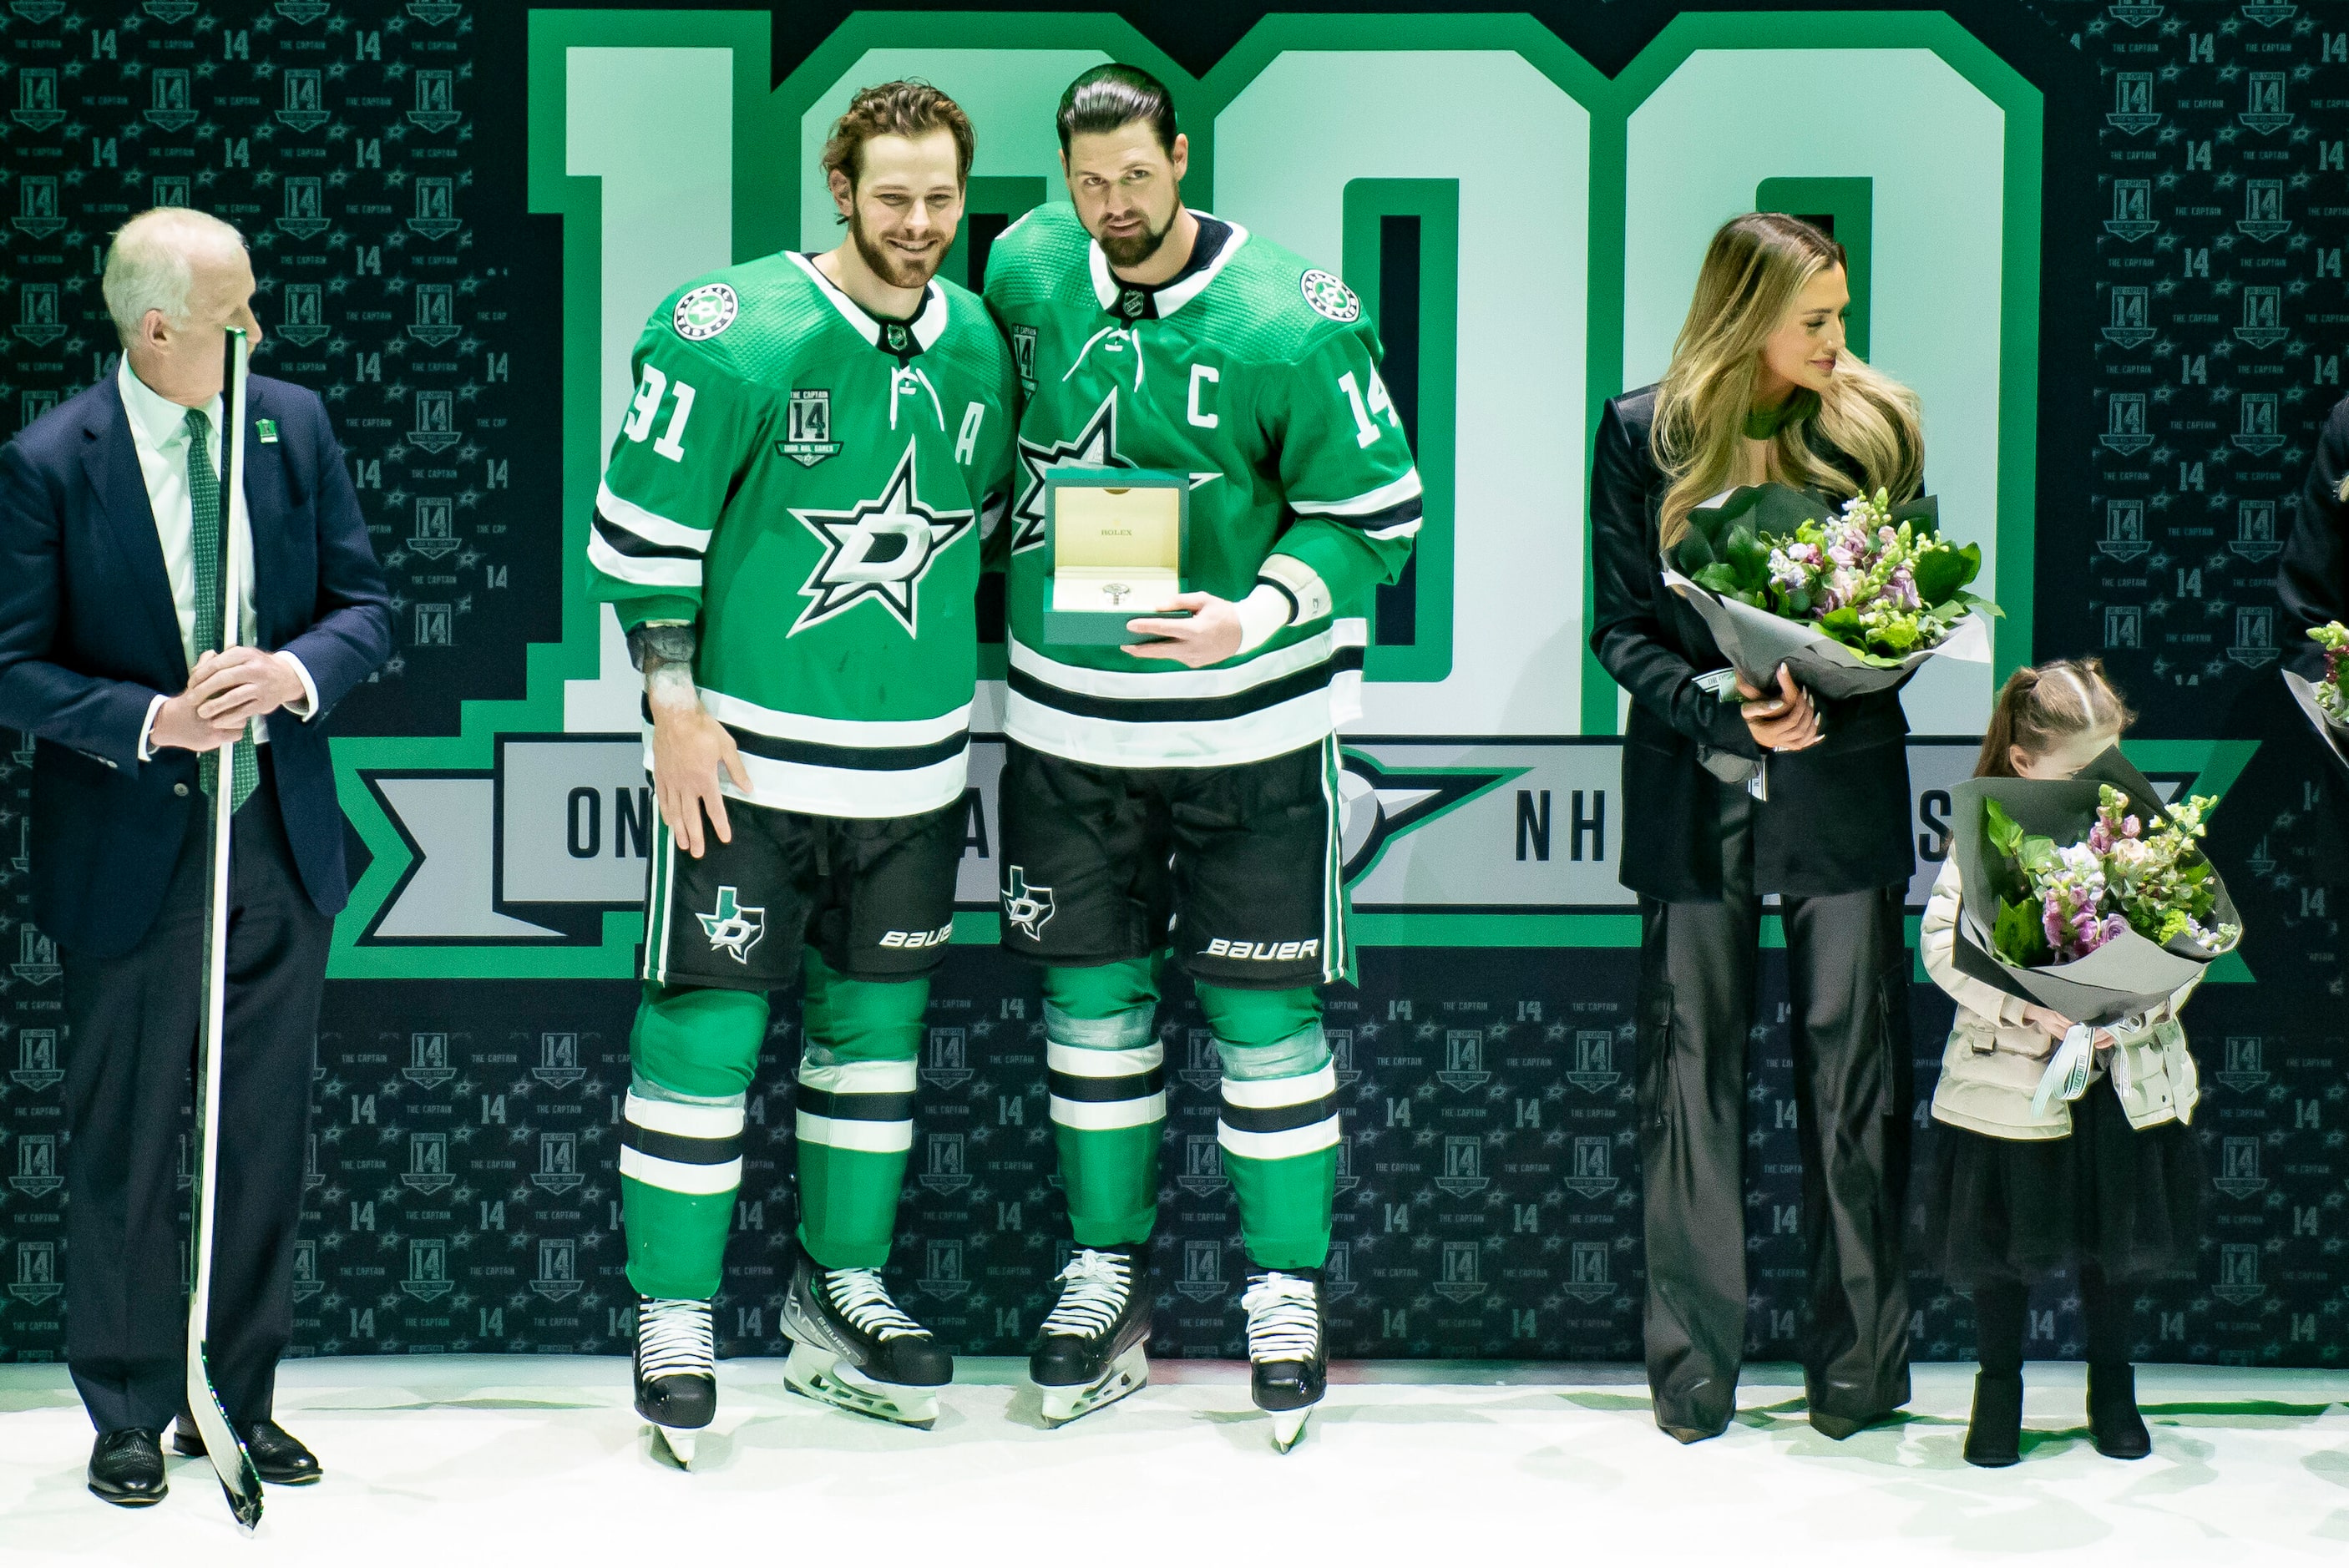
(890, 266)
(1133, 250)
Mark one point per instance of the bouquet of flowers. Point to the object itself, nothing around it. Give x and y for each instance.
(1852, 600)
(2324, 702)
(2087, 895)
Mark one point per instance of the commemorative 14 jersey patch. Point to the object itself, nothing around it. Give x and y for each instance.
(878, 549)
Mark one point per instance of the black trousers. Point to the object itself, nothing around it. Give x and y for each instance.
(1847, 973)
(129, 1081)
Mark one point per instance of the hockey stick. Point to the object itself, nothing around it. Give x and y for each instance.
(240, 1483)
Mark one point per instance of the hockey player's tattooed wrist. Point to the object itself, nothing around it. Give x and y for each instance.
(671, 685)
(659, 643)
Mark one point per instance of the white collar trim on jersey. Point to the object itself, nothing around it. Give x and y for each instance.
(1173, 296)
(928, 327)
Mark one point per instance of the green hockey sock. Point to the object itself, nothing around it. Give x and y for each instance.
(1278, 1126)
(694, 1051)
(855, 1121)
(1106, 1076)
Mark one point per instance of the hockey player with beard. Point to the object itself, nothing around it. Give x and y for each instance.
(1183, 786)
(789, 528)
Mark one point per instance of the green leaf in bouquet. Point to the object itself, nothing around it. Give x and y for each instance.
(2037, 854)
(1941, 573)
(1796, 603)
(1692, 554)
(2018, 935)
(1747, 556)
(2003, 832)
(1842, 626)
(1719, 579)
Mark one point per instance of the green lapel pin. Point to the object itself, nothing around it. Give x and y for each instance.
(267, 430)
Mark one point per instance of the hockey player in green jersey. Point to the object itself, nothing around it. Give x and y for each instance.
(1183, 786)
(790, 530)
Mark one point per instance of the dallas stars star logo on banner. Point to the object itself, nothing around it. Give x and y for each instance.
(1379, 805)
(877, 550)
(1095, 448)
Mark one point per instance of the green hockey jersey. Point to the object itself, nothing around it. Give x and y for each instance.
(812, 486)
(1257, 375)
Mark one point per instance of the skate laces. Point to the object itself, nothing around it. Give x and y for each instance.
(1284, 1318)
(858, 1295)
(1094, 1291)
(674, 1339)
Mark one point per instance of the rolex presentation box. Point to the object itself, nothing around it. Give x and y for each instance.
(1115, 539)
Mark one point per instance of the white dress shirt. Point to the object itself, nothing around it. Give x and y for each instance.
(158, 428)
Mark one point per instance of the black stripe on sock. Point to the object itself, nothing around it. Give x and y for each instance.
(1279, 1118)
(892, 1106)
(680, 1148)
(1106, 1091)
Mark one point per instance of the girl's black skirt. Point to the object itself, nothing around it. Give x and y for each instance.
(2129, 1200)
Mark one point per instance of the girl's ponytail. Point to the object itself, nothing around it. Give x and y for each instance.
(2039, 709)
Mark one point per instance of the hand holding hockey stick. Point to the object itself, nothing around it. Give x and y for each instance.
(240, 1483)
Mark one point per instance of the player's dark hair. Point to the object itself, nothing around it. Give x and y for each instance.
(1109, 97)
(907, 109)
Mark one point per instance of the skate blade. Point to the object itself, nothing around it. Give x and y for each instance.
(679, 1441)
(1289, 1428)
(1128, 1373)
(823, 1375)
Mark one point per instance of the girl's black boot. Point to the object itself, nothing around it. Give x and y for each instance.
(1994, 1436)
(2113, 1419)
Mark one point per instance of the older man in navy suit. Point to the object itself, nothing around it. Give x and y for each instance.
(111, 507)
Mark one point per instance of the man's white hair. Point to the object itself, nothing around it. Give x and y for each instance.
(148, 266)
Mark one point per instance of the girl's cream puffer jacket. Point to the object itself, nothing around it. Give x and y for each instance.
(1992, 1065)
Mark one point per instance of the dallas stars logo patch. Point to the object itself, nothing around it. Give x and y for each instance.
(878, 549)
(732, 929)
(1095, 448)
(1029, 908)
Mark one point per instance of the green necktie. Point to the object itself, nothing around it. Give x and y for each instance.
(204, 494)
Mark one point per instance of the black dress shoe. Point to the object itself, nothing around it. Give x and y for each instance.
(278, 1457)
(125, 1468)
(1828, 1424)
(2113, 1421)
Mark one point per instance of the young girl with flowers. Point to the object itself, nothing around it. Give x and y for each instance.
(2108, 1186)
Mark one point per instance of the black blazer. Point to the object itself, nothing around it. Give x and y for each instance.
(87, 636)
(2312, 577)
(1836, 820)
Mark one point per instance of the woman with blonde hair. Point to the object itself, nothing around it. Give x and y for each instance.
(1729, 800)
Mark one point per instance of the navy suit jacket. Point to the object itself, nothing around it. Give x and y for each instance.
(88, 635)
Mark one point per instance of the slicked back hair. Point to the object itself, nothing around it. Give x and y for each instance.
(1109, 97)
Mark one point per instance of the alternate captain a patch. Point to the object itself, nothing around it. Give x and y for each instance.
(807, 427)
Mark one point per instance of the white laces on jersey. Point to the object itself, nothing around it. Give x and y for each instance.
(905, 381)
(1284, 1318)
(674, 1339)
(1094, 1291)
(1133, 335)
(858, 1295)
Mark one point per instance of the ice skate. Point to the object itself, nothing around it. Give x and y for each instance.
(1288, 1353)
(1089, 1353)
(676, 1371)
(853, 1347)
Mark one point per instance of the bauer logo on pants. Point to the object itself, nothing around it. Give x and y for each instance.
(732, 928)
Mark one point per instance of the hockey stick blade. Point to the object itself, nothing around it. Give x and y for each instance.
(240, 1483)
